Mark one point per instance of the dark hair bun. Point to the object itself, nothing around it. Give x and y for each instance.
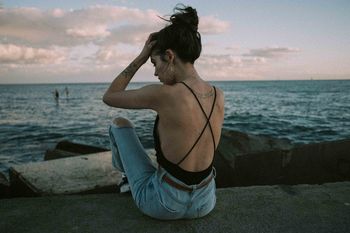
(185, 16)
(181, 35)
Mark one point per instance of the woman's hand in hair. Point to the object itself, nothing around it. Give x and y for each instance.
(147, 48)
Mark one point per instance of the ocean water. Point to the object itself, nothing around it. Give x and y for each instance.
(32, 121)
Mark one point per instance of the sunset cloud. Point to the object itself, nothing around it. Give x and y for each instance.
(226, 66)
(95, 24)
(79, 40)
(100, 40)
(13, 54)
(272, 52)
(111, 55)
(90, 32)
(212, 25)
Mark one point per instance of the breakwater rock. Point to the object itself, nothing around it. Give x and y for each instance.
(244, 160)
(4, 186)
(66, 149)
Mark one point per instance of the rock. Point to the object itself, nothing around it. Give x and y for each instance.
(4, 186)
(244, 160)
(85, 174)
(318, 163)
(58, 154)
(66, 148)
(238, 143)
(241, 160)
(76, 175)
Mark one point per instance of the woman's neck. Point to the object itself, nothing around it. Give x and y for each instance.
(186, 73)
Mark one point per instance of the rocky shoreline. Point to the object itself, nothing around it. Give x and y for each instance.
(241, 160)
(42, 203)
(245, 160)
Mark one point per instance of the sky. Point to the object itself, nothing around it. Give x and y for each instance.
(93, 41)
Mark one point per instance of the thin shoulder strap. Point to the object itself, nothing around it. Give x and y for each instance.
(206, 124)
(200, 105)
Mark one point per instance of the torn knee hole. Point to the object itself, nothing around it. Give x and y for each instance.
(122, 122)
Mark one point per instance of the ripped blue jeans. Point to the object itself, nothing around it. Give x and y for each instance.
(152, 195)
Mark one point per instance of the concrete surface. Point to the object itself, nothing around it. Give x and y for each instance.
(79, 174)
(300, 208)
(92, 173)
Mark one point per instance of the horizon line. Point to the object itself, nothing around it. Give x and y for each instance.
(237, 80)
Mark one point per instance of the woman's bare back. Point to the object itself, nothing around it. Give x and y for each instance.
(181, 121)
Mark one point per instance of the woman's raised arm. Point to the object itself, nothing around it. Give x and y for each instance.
(116, 96)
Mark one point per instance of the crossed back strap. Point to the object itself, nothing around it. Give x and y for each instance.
(206, 124)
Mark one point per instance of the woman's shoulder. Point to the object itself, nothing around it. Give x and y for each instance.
(219, 94)
(161, 90)
(219, 99)
(162, 94)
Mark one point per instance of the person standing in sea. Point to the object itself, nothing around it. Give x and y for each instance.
(56, 95)
(186, 131)
(66, 91)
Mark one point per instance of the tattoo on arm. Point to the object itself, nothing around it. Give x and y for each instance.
(123, 79)
(130, 70)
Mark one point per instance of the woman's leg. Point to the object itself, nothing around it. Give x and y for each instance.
(129, 156)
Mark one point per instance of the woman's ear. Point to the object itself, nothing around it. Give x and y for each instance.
(169, 55)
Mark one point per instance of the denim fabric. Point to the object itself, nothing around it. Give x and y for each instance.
(152, 195)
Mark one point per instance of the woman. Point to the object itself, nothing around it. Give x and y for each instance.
(186, 131)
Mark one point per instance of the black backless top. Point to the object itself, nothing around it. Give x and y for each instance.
(189, 178)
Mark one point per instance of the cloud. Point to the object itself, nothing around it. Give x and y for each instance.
(259, 63)
(37, 27)
(273, 52)
(212, 25)
(229, 60)
(112, 56)
(33, 26)
(78, 42)
(226, 66)
(92, 32)
(128, 34)
(13, 54)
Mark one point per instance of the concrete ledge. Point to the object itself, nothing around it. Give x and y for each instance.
(81, 174)
(84, 174)
(300, 208)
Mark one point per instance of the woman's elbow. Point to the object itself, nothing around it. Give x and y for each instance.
(106, 99)
(111, 100)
